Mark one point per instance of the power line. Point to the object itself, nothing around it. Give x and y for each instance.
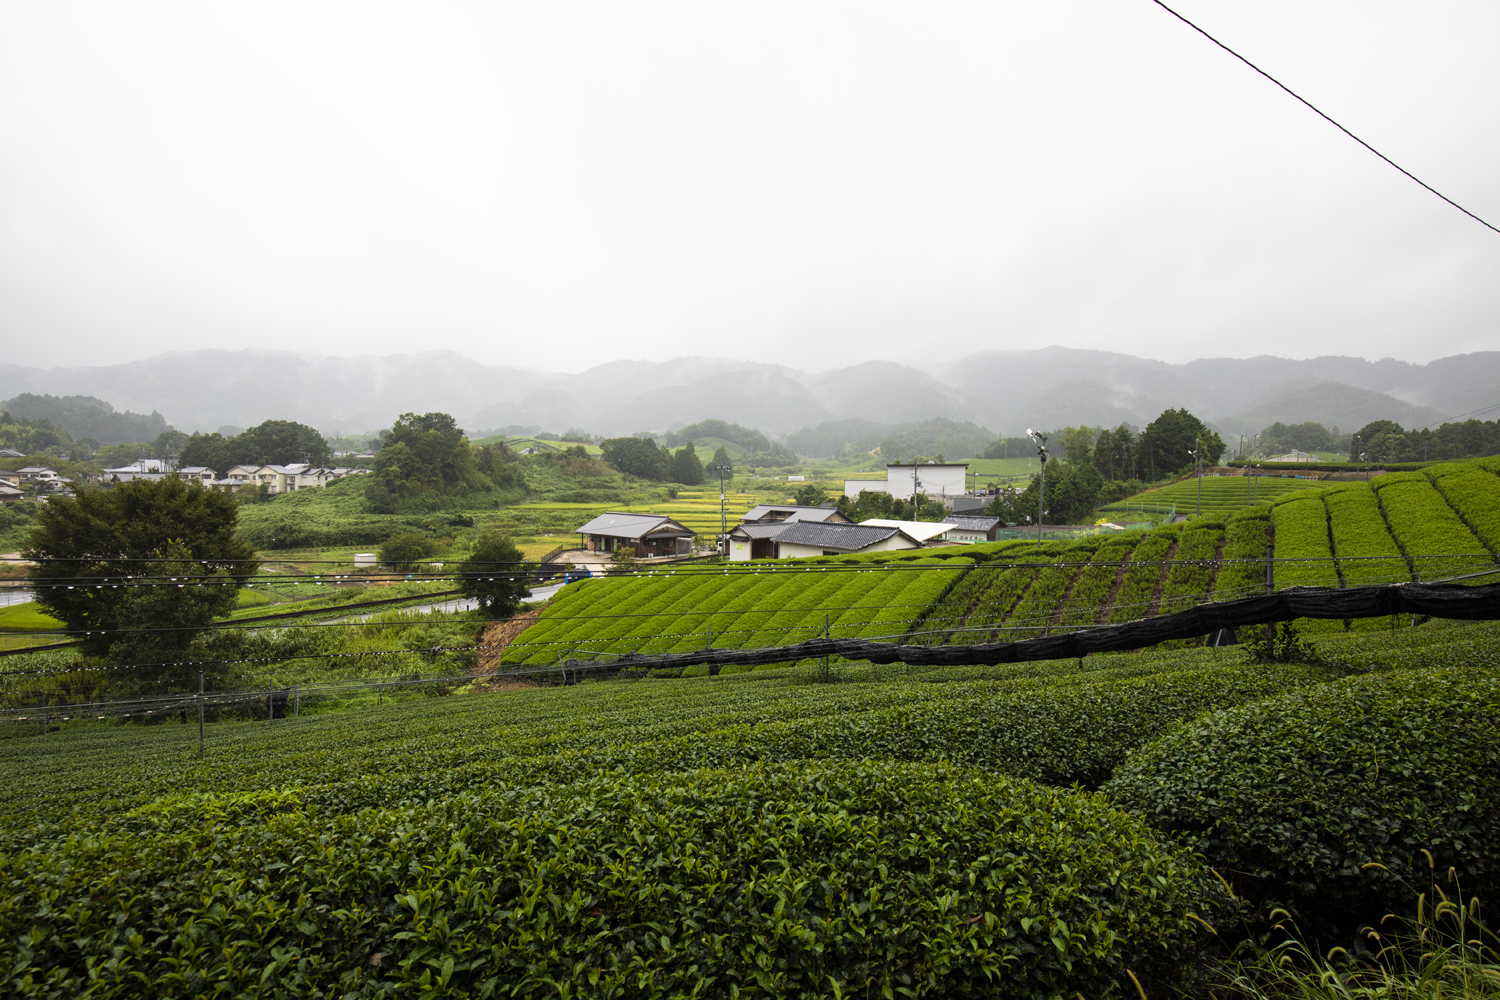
(1325, 117)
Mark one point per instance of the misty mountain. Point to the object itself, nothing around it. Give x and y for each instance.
(1332, 404)
(1002, 391)
(203, 390)
(86, 417)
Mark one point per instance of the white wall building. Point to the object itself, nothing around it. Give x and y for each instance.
(933, 479)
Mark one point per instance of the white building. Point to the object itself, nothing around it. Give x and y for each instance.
(802, 538)
(933, 479)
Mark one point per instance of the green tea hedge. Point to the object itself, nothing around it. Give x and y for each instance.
(816, 880)
(1330, 794)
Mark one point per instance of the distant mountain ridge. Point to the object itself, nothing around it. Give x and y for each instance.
(1005, 391)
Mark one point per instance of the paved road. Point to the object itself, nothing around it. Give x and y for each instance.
(9, 596)
(462, 604)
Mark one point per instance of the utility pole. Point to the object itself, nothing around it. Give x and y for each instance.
(1041, 494)
(915, 486)
(723, 518)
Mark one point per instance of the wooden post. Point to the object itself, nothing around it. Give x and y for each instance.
(200, 712)
(44, 712)
(296, 702)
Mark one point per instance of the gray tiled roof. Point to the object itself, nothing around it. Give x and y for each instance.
(794, 512)
(973, 523)
(835, 535)
(616, 524)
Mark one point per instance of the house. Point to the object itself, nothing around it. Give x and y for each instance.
(793, 539)
(127, 474)
(9, 493)
(140, 465)
(925, 532)
(10, 478)
(197, 473)
(651, 536)
(776, 513)
(10, 453)
(42, 476)
(934, 479)
(973, 529)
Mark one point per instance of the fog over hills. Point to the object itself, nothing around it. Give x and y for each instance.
(1005, 391)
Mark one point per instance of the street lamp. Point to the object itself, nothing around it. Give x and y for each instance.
(1198, 469)
(722, 470)
(1041, 497)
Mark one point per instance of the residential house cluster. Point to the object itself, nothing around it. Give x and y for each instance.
(43, 479)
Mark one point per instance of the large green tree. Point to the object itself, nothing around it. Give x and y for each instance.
(159, 559)
(638, 457)
(273, 442)
(494, 575)
(425, 454)
(1168, 440)
(687, 467)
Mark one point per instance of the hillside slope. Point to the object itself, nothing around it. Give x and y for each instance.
(1430, 526)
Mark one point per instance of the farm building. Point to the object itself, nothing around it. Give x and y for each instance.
(934, 479)
(771, 513)
(651, 536)
(793, 539)
(973, 529)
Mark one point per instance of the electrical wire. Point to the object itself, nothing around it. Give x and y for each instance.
(1325, 117)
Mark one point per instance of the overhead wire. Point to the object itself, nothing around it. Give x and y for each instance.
(1324, 116)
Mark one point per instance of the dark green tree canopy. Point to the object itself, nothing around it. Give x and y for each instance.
(687, 468)
(1115, 453)
(493, 575)
(274, 442)
(638, 457)
(1073, 491)
(1168, 439)
(112, 533)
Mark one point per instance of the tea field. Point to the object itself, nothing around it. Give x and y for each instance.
(1426, 526)
(900, 832)
(1221, 495)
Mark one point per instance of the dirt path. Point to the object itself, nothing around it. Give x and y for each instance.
(497, 637)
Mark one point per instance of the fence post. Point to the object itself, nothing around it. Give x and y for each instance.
(296, 702)
(200, 712)
(44, 712)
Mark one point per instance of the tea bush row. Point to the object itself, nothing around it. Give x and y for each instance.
(764, 882)
(1425, 526)
(1332, 794)
(1475, 495)
(1144, 576)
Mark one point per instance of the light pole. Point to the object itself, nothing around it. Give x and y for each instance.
(1198, 470)
(723, 520)
(1041, 494)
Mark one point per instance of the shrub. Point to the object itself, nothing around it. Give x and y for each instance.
(406, 550)
(1332, 794)
(813, 880)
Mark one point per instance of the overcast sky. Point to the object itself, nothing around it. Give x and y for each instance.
(553, 185)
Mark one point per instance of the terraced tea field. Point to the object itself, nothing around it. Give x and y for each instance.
(1400, 527)
(1221, 494)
